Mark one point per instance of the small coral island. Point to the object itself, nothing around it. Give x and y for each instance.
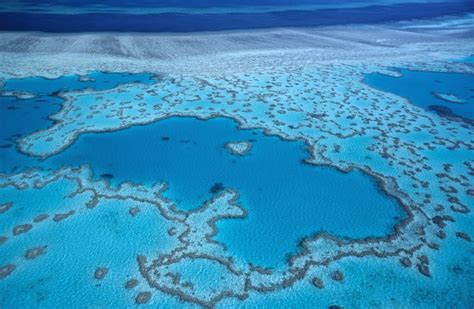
(238, 148)
(451, 98)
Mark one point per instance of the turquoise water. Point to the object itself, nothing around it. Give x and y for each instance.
(286, 198)
(420, 88)
(469, 59)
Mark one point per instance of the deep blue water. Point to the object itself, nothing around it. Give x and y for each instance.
(420, 88)
(117, 19)
(198, 3)
(19, 117)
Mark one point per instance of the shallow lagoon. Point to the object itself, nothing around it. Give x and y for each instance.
(286, 198)
(424, 88)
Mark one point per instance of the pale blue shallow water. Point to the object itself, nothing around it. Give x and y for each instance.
(64, 276)
(419, 87)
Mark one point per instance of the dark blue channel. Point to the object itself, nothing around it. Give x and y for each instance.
(185, 22)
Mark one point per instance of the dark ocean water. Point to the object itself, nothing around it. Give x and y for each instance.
(189, 16)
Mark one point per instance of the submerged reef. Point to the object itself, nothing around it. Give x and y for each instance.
(411, 153)
(451, 98)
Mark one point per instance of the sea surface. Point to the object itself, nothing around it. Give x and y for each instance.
(286, 199)
(189, 154)
(193, 16)
(424, 88)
